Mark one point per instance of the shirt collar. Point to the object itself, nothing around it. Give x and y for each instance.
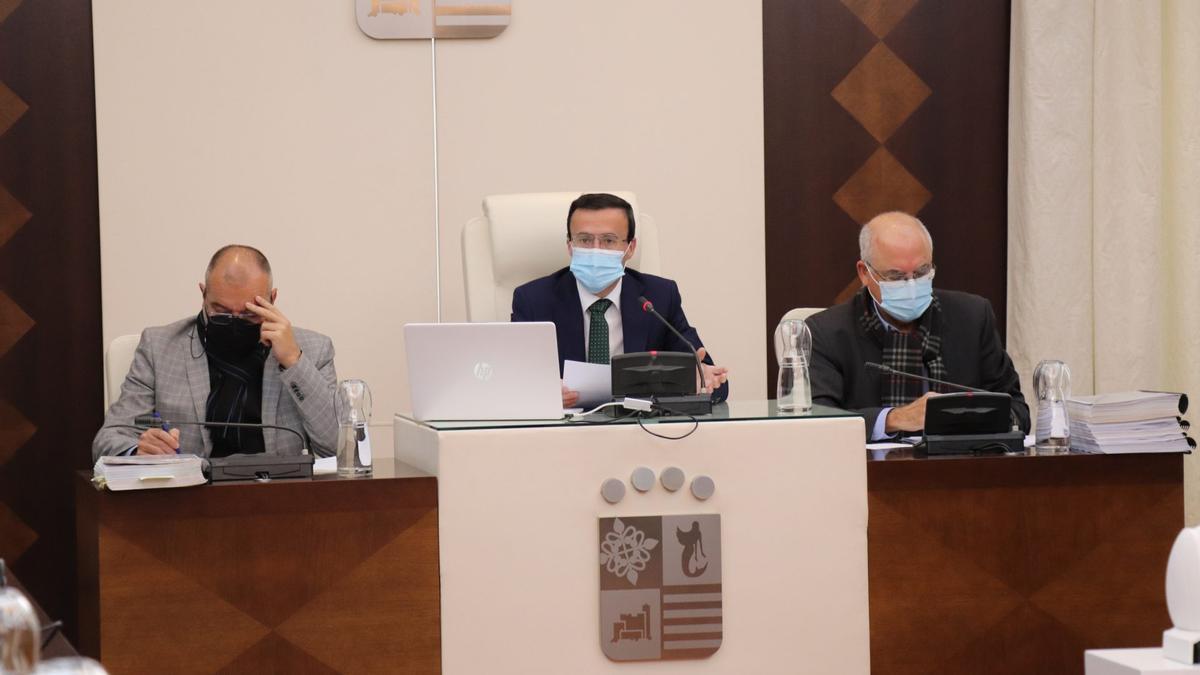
(586, 297)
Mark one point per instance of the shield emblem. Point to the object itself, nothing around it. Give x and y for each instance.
(660, 587)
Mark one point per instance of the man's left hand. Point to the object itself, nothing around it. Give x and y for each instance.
(714, 376)
(276, 331)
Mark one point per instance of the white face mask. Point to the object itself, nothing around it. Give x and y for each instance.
(597, 268)
(905, 300)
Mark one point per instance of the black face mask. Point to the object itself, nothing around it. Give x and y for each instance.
(231, 338)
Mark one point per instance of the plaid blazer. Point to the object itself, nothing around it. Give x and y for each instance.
(169, 375)
(972, 351)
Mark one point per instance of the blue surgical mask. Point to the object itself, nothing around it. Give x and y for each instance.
(906, 300)
(597, 268)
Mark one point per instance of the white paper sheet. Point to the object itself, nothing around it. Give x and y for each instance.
(593, 381)
(324, 465)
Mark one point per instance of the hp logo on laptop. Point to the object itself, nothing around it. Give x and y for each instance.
(483, 371)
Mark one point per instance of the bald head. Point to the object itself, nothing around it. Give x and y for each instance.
(236, 274)
(238, 264)
(895, 240)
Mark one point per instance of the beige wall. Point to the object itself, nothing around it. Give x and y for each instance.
(291, 130)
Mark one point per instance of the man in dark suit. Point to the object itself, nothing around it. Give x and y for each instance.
(897, 319)
(594, 302)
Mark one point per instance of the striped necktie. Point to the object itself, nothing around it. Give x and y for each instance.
(598, 331)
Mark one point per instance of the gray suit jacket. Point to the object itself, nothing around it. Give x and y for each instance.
(169, 375)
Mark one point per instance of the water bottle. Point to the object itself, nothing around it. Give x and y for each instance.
(793, 349)
(1052, 383)
(20, 633)
(352, 405)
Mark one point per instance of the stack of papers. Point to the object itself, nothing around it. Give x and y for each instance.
(1127, 406)
(1128, 422)
(142, 472)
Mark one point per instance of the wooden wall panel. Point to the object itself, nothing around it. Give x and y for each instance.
(1016, 565)
(50, 350)
(875, 105)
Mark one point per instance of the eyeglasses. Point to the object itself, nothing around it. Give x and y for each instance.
(896, 275)
(227, 319)
(608, 242)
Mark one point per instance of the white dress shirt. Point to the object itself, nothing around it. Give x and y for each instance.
(616, 333)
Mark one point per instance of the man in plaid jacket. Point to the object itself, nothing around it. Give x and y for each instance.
(239, 360)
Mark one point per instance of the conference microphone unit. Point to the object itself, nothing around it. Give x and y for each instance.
(259, 466)
(969, 421)
(694, 404)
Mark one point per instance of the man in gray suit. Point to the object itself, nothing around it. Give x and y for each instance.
(238, 360)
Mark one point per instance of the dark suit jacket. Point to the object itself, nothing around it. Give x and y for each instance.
(971, 349)
(556, 298)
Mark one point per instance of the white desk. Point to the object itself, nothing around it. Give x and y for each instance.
(519, 505)
(1149, 661)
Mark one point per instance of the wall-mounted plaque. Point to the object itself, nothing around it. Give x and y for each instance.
(423, 19)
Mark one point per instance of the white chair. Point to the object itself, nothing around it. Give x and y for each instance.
(117, 359)
(801, 313)
(521, 237)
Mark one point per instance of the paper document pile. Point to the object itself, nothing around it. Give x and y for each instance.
(141, 472)
(1131, 421)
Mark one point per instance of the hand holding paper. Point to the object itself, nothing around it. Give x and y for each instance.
(593, 381)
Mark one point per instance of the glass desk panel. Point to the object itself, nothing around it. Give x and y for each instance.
(729, 411)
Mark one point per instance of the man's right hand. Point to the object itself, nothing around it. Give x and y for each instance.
(570, 398)
(158, 442)
(909, 417)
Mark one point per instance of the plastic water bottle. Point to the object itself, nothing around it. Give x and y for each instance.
(1052, 383)
(793, 349)
(353, 408)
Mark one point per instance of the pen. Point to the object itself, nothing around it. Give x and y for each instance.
(165, 427)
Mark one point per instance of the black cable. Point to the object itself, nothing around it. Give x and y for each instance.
(695, 424)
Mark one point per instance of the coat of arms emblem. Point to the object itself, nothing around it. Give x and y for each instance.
(660, 587)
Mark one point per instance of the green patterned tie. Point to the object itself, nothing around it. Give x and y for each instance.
(598, 333)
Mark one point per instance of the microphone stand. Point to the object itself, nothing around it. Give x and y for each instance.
(144, 422)
(648, 307)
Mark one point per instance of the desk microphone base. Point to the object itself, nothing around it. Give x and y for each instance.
(686, 404)
(691, 404)
(260, 466)
(966, 444)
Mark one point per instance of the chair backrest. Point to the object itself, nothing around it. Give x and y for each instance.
(117, 359)
(801, 313)
(521, 237)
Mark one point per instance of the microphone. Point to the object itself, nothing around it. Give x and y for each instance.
(144, 422)
(892, 371)
(648, 307)
(1012, 415)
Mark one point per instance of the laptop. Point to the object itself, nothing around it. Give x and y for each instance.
(483, 371)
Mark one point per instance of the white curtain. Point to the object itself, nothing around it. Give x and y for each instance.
(1104, 195)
